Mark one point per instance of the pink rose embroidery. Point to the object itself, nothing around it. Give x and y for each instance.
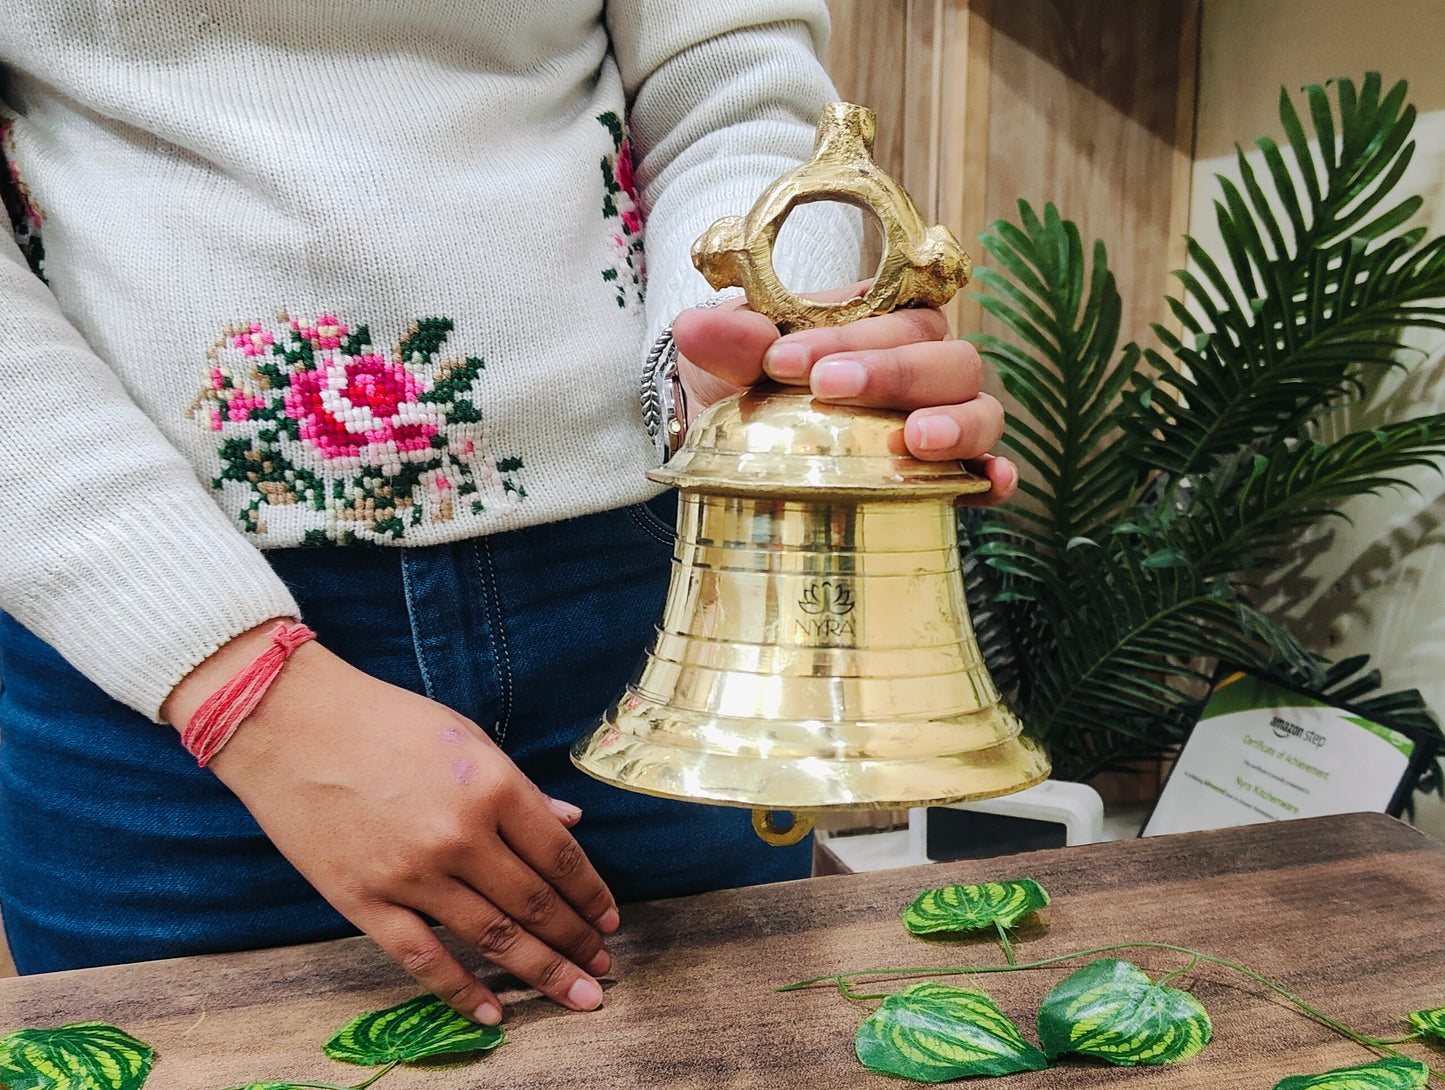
(352, 403)
(314, 419)
(324, 332)
(620, 203)
(19, 207)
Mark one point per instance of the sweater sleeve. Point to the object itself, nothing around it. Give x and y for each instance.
(724, 97)
(115, 554)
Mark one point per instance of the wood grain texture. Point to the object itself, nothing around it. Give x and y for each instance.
(922, 67)
(1348, 912)
(7, 966)
(1085, 103)
(1091, 109)
(868, 59)
(1088, 104)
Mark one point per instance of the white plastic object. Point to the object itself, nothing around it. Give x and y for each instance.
(1075, 806)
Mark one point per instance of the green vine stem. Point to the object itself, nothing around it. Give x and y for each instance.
(375, 1075)
(958, 970)
(858, 997)
(1008, 950)
(378, 1073)
(1167, 977)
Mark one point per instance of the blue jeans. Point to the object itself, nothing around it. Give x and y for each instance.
(115, 847)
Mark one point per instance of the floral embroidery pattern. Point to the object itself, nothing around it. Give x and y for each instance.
(619, 202)
(312, 414)
(24, 214)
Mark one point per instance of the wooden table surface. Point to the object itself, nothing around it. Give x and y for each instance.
(1347, 912)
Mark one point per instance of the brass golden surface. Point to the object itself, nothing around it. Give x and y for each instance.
(815, 651)
(920, 266)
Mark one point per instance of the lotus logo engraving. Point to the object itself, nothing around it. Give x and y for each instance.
(828, 604)
(827, 597)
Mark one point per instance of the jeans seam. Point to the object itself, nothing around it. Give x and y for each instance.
(650, 528)
(411, 619)
(488, 572)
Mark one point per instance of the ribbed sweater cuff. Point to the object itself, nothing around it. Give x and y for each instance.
(158, 593)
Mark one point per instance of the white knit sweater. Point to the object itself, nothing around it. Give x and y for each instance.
(348, 270)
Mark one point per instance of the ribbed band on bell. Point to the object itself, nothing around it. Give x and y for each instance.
(225, 709)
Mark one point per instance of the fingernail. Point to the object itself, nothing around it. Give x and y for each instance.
(934, 432)
(786, 361)
(565, 810)
(1010, 477)
(488, 1014)
(839, 378)
(586, 994)
(608, 921)
(600, 964)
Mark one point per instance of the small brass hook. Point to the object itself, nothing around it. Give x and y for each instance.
(779, 837)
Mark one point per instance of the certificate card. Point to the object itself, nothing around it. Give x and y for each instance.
(1263, 752)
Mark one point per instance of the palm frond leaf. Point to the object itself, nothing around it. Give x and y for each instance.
(1161, 485)
(1235, 519)
(1303, 310)
(1061, 367)
(1124, 631)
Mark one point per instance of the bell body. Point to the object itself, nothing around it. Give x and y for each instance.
(815, 651)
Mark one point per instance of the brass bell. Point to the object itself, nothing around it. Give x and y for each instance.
(815, 651)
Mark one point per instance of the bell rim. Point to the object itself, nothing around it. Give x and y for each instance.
(583, 759)
(733, 448)
(903, 489)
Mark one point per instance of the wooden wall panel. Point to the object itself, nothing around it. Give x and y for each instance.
(867, 58)
(922, 67)
(1086, 103)
(1091, 108)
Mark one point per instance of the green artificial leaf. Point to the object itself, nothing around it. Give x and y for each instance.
(1431, 1022)
(1393, 1073)
(81, 1056)
(1165, 558)
(1112, 1010)
(968, 908)
(932, 1032)
(420, 1027)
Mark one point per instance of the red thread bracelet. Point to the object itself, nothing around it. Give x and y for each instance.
(217, 719)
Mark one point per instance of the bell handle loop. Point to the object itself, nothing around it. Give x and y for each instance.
(777, 835)
(921, 266)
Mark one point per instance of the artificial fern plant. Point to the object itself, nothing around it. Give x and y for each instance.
(1162, 485)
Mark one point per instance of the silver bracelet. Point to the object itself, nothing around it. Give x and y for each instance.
(661, 394)
(664, 399)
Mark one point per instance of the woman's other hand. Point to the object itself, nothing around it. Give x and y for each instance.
(396, 808)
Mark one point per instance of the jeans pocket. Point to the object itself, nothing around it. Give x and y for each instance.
(657, 517)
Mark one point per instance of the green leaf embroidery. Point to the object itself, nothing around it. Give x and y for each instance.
(425, 338)
(80, 1056)
(420, 1027)
(1431, 1022)
(932, 1032)
(1112, 1010)
(1394, 1073)
(968, 908)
